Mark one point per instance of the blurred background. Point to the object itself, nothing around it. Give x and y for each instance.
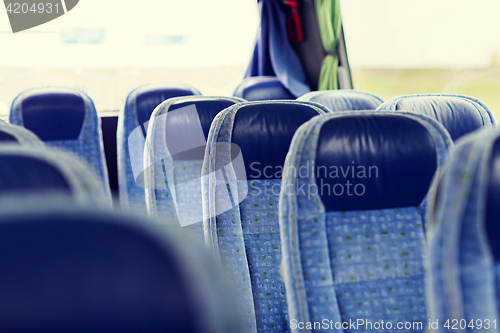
(107, 48)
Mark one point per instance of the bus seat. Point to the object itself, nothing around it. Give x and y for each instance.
(352, 217)
(463, 235)
(174, 154)
(344, 99)
(35, 171)
(459, 114)
(73, 270)
(262, 88)
(246, 150)
(13, 134)
(66, 119)
(135, 114)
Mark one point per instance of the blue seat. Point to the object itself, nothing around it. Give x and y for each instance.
(352, 213)
(459, 114)
(262, 88)
(36, 171)
(136, 112)
(66, 119)
(13, 134)
(246, 150)
(175, 147)
(71, 270)
(463, 238)
(344, 99)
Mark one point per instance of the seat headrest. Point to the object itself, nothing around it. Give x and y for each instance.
(262, 88)
(344, 100)
(459, 114)
(367, 161)
(146, 98)
(28, 173)
(206, 107)
(53, 114)
(264, 131)
(81, 271)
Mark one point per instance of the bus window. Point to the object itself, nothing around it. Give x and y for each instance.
(107, 48)
(398, 47)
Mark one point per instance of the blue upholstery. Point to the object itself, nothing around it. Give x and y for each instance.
(66, 119)
(344, 99)
(173, 161)
(13, 134)
(404, 149)
(69, 270)
(241, 212)
(67, 108)
(493, 201)
(464, 232)
(348, 254)
(136, 112)
(270, 127)
(262, 88)
(36, 170)
(459, 114)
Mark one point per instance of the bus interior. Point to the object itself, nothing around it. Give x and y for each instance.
(263, 166)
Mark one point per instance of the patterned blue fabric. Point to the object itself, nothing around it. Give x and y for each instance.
(344, 99)
(88, 147)
(241, 226)
(261, 88)
(131, 147)
(344, 265)
(463, 279)
(173, 187)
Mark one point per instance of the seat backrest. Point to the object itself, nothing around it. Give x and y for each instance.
(246, 150)
(66, 119)
(174, 154)
(72, 270)
(13, 134)
(260, 88)
(136, 112)
(352, 218)
(464, 232)
(344, 99)
(35, 171)
(459, 114)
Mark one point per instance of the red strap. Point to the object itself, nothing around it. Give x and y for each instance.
(293, 22)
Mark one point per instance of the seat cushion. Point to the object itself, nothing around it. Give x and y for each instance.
(241, 201)
(353, 243)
